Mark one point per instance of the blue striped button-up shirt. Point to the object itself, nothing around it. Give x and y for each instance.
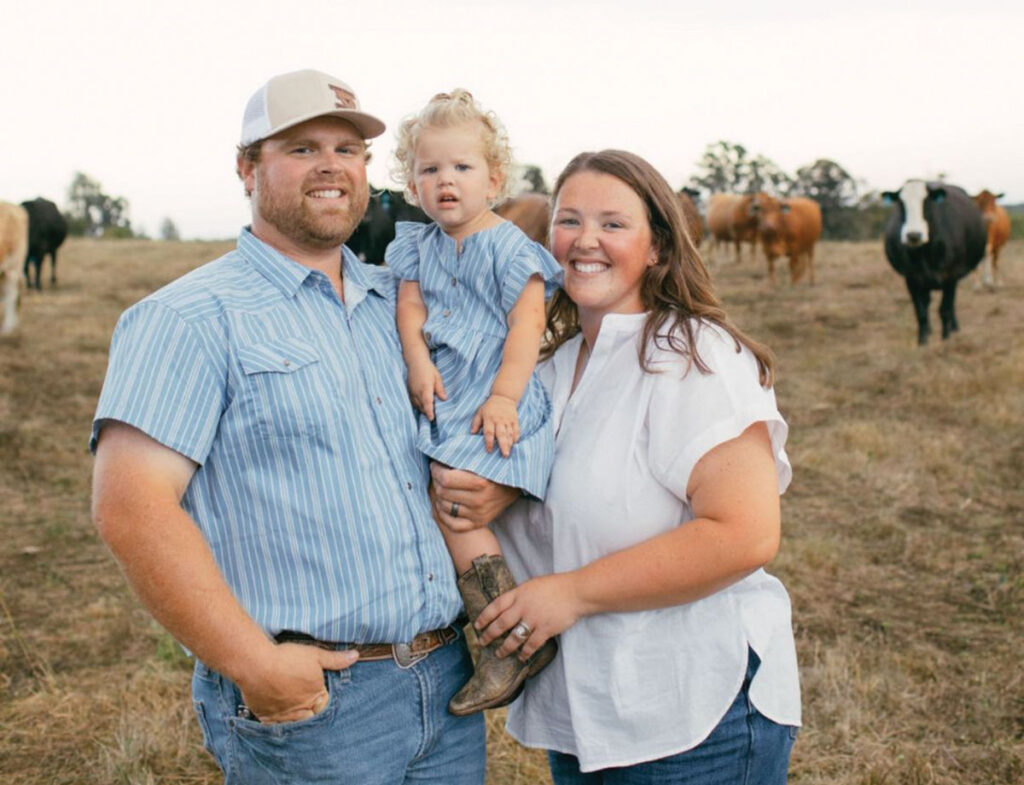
(310, 490)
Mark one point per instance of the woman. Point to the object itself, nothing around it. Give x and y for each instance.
(677, 661)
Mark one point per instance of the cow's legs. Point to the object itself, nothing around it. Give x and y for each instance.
(30, 263)
(947, 310)
(10, 282)
(995, 266)
(921, 297)
(771, 269)
(983, 276)
(795, 273)
(53, 267)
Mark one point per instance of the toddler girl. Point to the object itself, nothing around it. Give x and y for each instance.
(471, 317)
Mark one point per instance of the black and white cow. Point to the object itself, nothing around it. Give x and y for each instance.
(377, 228)
(935, 236)
(47, 229)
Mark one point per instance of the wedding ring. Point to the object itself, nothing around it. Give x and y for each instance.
(522, 631)
(455, 510)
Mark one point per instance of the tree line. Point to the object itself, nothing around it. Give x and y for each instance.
(91, 212)
(849, 211)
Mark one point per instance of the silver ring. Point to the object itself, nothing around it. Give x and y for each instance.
(522, 631)
(455, 510)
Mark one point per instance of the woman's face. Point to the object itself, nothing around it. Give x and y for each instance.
(601, 236)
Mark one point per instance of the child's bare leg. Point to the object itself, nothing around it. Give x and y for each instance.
(466, 546)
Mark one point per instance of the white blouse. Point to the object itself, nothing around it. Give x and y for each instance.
(632, 687)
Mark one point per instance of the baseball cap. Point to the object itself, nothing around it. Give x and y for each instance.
(292, 98)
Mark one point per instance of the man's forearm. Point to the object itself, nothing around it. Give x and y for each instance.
(137, 488)
(171, 569)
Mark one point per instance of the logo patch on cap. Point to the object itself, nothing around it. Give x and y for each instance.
(343, 98)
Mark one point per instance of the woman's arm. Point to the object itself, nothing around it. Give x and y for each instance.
(522, 347)
(734, 495)
(424, 381)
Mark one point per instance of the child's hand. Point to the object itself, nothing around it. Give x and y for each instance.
(499, 421)
(424, 383)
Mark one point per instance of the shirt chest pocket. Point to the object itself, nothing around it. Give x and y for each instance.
(286, 388)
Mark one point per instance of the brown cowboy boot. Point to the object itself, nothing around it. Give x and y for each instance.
(496, 681)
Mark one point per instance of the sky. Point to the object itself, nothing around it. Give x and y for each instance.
(147, 98)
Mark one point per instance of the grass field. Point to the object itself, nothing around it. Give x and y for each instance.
(903, 540)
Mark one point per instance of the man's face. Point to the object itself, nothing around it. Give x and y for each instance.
(309, 186)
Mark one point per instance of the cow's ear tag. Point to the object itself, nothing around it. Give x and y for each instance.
(940, 197)
(888, 197)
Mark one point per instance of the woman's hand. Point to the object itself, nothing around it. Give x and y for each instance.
(499, 421)
(424, 383)
(479, 500)
(547, 606)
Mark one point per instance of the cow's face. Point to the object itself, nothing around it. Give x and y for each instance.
(986, 200)
(770, 214)
(915, 200)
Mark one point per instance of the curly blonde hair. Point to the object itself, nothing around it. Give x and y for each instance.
(446, 110)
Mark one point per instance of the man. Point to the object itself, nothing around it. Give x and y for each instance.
(257, 479)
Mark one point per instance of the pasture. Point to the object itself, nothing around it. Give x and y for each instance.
(903, 538)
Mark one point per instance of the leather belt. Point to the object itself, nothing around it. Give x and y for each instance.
(405, 654)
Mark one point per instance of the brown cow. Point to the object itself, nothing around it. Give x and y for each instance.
(791, 227)
(730, 221)
(998, 224)
(531, 212)
(13, 247)
(694, 225)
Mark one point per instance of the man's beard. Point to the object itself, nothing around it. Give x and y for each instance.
(291, 215)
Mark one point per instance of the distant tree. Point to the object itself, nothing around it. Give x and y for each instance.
(94, 213)
(726, 166)
(869, 217)
(533, 180)
(763, 174)
(721, 167)
(168, 231)
(835, 191)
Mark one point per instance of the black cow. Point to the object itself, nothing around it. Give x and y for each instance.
(377, 228)
(935, 236)
(47, 229)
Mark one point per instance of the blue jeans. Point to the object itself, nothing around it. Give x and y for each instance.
(383, 725)
(745, 748)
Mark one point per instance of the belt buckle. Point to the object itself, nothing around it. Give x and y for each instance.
(402, 652)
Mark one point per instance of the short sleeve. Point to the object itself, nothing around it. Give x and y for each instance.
(531, 258)
(162, 380)
(402, 255)
(692, 412)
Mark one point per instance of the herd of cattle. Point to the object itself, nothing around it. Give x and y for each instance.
(935, 236)
(29, 232)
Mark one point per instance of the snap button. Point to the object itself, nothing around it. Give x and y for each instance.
(446, 313)
(455, 281)
(287, 363)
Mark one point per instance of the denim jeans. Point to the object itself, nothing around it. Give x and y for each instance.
(383, 725)
(745, 748)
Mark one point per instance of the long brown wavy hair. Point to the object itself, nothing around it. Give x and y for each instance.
(675, 290)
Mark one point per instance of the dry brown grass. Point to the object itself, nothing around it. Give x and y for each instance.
(903, 548)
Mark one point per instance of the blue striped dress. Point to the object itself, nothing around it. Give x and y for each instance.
(468, 295)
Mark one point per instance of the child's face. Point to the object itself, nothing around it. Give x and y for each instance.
(451, 178)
